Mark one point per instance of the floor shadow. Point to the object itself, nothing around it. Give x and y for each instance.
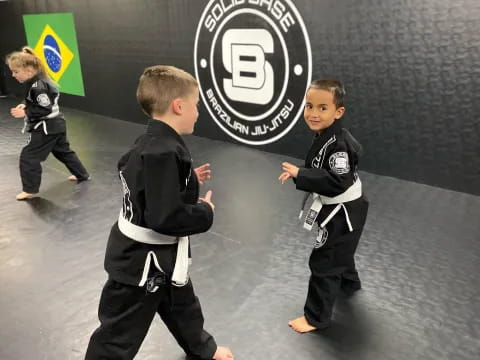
(350, 330)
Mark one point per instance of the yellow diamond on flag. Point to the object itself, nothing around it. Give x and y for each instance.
(53, 52)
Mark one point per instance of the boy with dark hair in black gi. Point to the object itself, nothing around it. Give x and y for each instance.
(147, 254)
(339, 208)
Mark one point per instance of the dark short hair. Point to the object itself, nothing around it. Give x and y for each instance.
(334, 86)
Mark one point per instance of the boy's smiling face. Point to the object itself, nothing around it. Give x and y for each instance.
(320, 111)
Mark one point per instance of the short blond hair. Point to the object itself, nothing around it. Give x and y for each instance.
(159, 85)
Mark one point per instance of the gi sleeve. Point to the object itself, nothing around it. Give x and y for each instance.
(331, 180)
(41, 105)
(165, 210)
(123, 160)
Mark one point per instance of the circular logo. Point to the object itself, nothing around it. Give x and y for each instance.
(253, 63)
(51, 50)
(43, 100)
(339, 163)
(321, 238)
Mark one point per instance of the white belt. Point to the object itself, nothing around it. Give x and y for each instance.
(352, 193)
(25, 124)
(43, 122)
(149, 236)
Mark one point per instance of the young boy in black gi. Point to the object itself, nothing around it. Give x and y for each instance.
(147, 254)
(43, 120)
(339, 208)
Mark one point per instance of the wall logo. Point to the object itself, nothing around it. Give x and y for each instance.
(53, 39)
(253, 62)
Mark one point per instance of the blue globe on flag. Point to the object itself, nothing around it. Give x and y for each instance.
(51, 51)
(57, 57)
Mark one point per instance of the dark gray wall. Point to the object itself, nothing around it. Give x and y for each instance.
(411, 69)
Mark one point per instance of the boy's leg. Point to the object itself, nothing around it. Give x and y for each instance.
(66, 155)
(323, 287)
(350, 279)
(125, 313)
(345, 256)
(328, 266)
(183, 316)
(36, 151)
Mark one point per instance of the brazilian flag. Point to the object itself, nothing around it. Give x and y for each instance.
(54, 40)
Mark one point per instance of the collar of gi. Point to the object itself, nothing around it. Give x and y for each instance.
(32, 80)
(320, 139)
(335, 128)
(158, 127)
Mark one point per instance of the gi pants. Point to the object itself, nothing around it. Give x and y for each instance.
(332, 269)
(38, 149)
(126, 312)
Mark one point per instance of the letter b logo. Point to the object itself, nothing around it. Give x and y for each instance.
(243, 55)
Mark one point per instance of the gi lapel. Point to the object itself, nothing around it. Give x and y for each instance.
(321, 141)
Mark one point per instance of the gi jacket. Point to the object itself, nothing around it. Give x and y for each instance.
(331, 168)
(42, 111)
(160, 192)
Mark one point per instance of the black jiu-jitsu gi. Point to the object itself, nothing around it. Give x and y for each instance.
(48, 134)
(160, 203)
(330, 173)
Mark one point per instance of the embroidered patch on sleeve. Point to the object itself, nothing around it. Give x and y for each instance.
(339, 163)
(43, 100)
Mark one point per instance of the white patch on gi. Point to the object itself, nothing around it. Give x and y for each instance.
(339, 163)
(127, 207)
(43, 100)
(321, 238)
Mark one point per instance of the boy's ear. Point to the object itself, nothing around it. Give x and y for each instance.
(339, 112)
(177, 106)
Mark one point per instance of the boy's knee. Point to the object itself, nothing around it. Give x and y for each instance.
(28, 161)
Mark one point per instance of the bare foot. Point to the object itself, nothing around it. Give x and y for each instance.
(301, 325)
(24, 196)
(223, 353)
(74, 178)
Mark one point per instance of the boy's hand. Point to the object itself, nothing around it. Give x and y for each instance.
(223, 353)
(291, 169)
(20, 106)
(284, 177)
(18, 112)
(203, 173)
(207, 199)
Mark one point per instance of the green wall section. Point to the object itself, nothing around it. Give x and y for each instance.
(60, 27)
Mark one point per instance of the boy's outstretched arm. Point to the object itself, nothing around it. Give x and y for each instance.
(203, 173)
(208, 199)
(17, 112)
(290, 171)
(323, 181)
